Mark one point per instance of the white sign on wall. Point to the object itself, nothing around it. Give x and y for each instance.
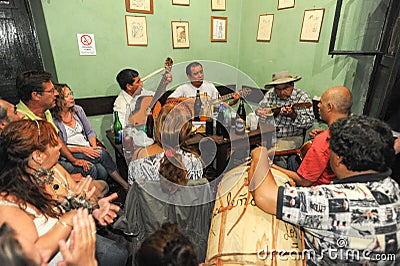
(86, 44)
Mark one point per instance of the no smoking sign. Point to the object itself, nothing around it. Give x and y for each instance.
(86, 44)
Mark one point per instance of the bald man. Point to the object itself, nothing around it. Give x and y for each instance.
(314, 169)
(8, 113)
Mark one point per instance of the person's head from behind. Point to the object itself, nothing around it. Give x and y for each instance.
(8, 113)
(16, 250)
(335, 100)
(129, 81)
(36, 86)
(172, 128)
(360, 143)
(166, 246)
(65, 100)
(26, 146)
(195, 74)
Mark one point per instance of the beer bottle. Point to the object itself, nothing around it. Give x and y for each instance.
(117, 129)
(197, 107)
(241, 112)
(150, 125)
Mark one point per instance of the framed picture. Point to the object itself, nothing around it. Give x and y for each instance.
(181, 2)
(218, 4)
(136, 30)
(283, 4)
(312, 23)
(180, 34)
(264, 31)
(139, 6)
(219, 29)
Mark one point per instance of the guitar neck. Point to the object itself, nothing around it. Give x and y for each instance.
(159, 91)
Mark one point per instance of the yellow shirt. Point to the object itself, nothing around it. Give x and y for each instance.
(21, 107)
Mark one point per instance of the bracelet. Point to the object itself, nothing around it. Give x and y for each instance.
(65, 224)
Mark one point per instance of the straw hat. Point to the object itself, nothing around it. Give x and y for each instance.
(282, 77)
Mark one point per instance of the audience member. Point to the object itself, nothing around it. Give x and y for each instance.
(314, 169)
(16, 250)
(195, 74)
(78, 134)
(353, 220)
(37, 96)
(166, 247)
(38, 198)
(8, 113)
(168, 156)
(289, 121)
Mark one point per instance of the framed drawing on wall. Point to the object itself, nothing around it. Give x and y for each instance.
(219, 29)
(264, 30)
(181, 2)
(136, 30)
(180, 34)
(139, 6)
(311, 26)
(218, 4)
(283, 4)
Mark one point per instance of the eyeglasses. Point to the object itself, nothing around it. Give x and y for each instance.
(51, 91)
(285, 87)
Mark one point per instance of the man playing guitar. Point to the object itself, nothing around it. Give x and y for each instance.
(195, 74)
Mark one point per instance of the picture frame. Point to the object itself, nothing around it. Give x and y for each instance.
(181, 2)
(284, 4)
(264, 31)
(312, 24)
(136, 30)
(139, 6)
(219, 29)
(218, 5)
(180, 34)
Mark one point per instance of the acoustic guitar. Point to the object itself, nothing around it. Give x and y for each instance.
(276, 110)
(150, 104)
(301, 152)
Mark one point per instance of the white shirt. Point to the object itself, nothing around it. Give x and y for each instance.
(121, 105)
(189, 91)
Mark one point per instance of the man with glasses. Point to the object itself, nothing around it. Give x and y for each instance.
(37, 95)
(290, 122)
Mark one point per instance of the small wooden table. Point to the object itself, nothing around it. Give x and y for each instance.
(225, 148)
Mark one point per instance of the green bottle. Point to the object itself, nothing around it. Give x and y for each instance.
(117, 129)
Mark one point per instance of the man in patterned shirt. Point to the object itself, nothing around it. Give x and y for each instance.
(290, 122)
(355, 220)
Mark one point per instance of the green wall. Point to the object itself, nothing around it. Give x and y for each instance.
(92, 76)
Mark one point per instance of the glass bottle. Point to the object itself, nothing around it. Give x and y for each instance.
(197, 107)
(220, 120)
(241, 111)
(117, 129)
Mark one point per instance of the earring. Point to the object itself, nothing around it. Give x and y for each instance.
(43, 176)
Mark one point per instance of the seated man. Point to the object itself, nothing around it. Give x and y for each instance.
(353, 220)
(195, 74)
(314, 169)
(290, 122)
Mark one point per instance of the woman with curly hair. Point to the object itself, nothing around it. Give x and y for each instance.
(38, 198)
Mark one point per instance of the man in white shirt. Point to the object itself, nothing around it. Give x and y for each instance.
(131, 88)
(195, 74)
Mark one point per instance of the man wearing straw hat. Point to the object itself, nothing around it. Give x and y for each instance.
(290, 122)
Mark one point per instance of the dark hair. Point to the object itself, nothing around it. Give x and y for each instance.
(125, 77)
(56, 110)
(30, 81)
(3, 113)
(11, 252)
(18, 141)
(166, 247)
(365, 143)
(188, 67)
(172, 128)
